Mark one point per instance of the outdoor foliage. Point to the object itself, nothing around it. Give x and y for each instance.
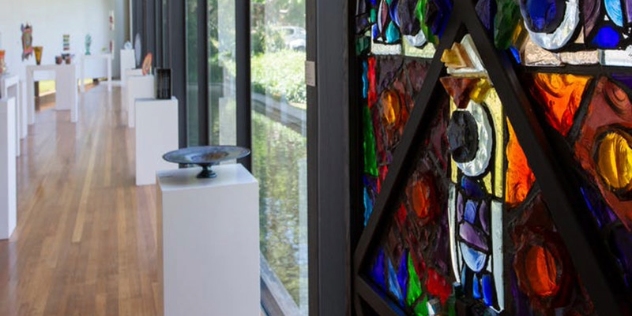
(276, 152)
(280, 74)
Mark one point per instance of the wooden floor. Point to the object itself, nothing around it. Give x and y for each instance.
(85, 243)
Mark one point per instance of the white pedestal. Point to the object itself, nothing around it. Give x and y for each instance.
(65, 89)
(210, 242)
(138, 87)
(128, 61)
(8, 180)
(128, 73)
(156, 134)
(10, 88)
(91, 58)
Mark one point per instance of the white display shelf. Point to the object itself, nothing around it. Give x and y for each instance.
(8, 180)
(65, 89)
(210, 242)
(156, 134)
(138, 87)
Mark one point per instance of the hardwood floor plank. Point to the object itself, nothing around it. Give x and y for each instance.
(86, 240)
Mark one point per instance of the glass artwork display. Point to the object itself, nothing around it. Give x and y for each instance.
(27, 40)
(467, 226)
(205, 157)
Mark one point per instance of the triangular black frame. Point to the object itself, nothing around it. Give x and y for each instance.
(549, 163)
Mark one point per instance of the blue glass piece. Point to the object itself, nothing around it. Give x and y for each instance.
(472, 188)
(488, 290)
(368, 206)
(402, 274)
(543, 16)
(483, 215)
(375, 31)
(464, 277)
(377, 270)
(470, 211)
(476, 287)
(615, 13)
(393, 285)
(365, 79)
(607, 37)
(392, 33)
(439, 19)
(392, 10)
(486, 10)
(373, 2)
(515, 52)
(474, 259)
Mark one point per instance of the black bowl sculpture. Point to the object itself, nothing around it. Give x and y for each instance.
(205, 157)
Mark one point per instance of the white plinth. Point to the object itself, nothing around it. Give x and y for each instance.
(156, 134)
(210, 242)
(8, 181)
(128, 61)
(89, 59)
(65, 88)
(128, 73)
(10, 88)
(138, 87)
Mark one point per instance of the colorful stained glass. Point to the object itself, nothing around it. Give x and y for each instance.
(520, 178)
(486, 10)
(505, 22)
(560, 96)
(602, 144)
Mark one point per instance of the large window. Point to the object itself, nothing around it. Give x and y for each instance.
(279, 139)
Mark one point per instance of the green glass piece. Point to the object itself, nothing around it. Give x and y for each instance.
(421, 10)
(414, 284)
(421, 309)
(373, 16)
(370, 157)
(362, 45)
(505, 22)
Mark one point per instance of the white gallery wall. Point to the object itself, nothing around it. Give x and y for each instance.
(50, 20)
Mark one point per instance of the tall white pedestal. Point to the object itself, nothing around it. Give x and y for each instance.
(8, 181)
(138, 87)
(156, 134)
(65, 88)
(10, 88)
(210, 242)
(94, 71)
(128, 61)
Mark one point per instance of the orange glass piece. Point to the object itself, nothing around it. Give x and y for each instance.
(456, 57)
(560, 94)
(614, 160)
(422, 197)
(541, 271)
(520, 177)
(391, 107)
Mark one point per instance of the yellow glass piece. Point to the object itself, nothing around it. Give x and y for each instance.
(454, 170)
(614, 160)
(519, 176)
(427, 51)
(479, 92)
(519, 36)
(498, 119)
(487, 180)
(456, 57)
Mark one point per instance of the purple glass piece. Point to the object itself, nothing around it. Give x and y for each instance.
(474, 236)
(621, 244)
(406, 19)
(628, 10)
(472, 188)
(459, 205)
(486, 10)
(591, 10)
(483, 216)
(470, 211)
(402, 273)
(623, 78)
(601, 213)
(438, 15)
(388, 68)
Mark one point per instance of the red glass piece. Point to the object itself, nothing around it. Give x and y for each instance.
(372, 98)
(560, 95)
(609, 109)
(437, 285)
(459, 89)
(400, 216)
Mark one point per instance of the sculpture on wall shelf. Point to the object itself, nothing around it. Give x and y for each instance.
(27, 40)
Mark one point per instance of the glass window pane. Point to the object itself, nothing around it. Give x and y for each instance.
(192, 72)
(279, 150)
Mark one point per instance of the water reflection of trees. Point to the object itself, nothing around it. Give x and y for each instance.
(277, 151)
